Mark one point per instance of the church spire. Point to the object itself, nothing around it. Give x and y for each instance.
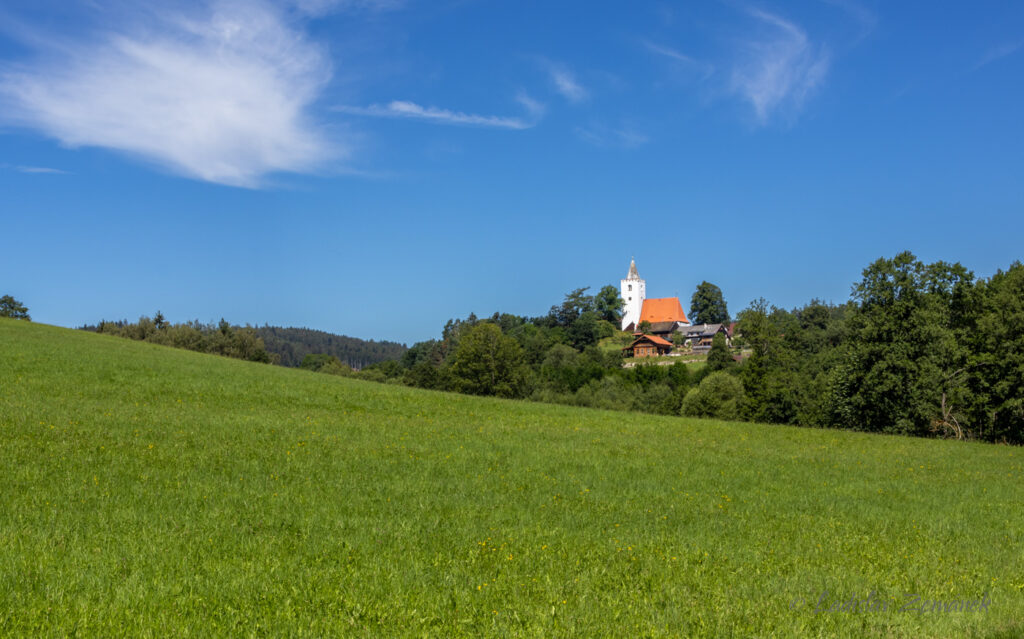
(633, 275)
(633, 291)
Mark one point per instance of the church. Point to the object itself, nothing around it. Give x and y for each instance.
(665, 314)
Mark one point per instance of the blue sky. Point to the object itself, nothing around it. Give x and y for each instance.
(375, 167)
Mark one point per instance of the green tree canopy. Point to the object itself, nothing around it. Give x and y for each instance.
(292, 344)
(679, 375)
(997, 359)
(707, 306)
(316, 361)
(487, 362)
(588, 329)
(769, 385)
(719, 357)
(759, 333)
(575, 304)
(905, 358)
(429, 351)
(324, 363)
(608, 304)
(10, 307)
(718, 395)
(241, 342)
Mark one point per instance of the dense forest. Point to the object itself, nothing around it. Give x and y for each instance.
(292, 345)
(919, 349)
(272, 344)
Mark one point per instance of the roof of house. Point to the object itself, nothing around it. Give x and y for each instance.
(664, 327)
(662, 309)
(659, 341)
(702, 330)
(654, 339)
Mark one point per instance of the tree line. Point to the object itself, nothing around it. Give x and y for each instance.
(292, 345)
(919, 349)
(269, 344)
(240, 342)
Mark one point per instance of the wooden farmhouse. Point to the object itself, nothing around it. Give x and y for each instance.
(647, 346)
(665, 330)
(699, 336)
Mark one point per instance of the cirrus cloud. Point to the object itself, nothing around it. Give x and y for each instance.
(565, 83)
(406, 109)
(779, 70)
(221, 97)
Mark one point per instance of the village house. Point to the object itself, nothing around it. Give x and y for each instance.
(699, 336)
(666, 330)
(647, 346)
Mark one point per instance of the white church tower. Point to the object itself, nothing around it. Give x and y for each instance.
(633, 292)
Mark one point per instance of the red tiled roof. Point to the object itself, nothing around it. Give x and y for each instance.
(654, 339)
(662, 309)
(659, 341)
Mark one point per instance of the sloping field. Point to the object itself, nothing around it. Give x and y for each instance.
(155, 492)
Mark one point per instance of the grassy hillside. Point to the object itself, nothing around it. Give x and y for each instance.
(158, 492)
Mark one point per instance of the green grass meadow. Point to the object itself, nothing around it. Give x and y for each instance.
(155, 492)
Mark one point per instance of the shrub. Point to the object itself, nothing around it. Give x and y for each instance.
(718, 395)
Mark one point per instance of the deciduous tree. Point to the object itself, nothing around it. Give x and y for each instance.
(906, 346)
(487, 362)
(10, 307)
(575, 304)
(707, 306)
(719, 357)
(608, 304)
(718, 395)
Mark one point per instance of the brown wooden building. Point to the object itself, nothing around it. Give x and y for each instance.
(647, 346)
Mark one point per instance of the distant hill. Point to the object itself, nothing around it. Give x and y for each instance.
(293, 344)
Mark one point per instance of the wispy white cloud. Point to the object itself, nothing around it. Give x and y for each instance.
(33, 169)
(669, 53)
(533, 107)
(779, 70)
(866, 19)
(605, 136)
(323, 7)
(39, 169)
(998, 52)
(405, 109)
(678, 57)
(221, 96)
(566, 84)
